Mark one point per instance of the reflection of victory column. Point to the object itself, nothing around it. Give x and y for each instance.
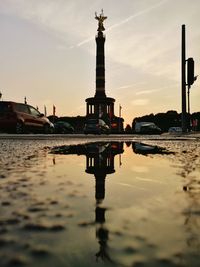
(99, 162)
(101, 106)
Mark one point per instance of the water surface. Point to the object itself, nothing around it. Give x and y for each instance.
(100, 204)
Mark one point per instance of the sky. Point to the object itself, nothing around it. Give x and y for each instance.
(48, 49)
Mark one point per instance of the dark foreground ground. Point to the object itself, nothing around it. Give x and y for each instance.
(142, 210)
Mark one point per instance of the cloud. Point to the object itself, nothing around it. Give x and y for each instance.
(122, 22)
(146, 92)
(82, 42)
(140, 102)
(138, 14)
(133, 85)
(61, 18)
(124, 87)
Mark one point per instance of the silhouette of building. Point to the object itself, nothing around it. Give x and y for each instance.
(101, 106)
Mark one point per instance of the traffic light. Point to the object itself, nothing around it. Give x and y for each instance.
(190, 71)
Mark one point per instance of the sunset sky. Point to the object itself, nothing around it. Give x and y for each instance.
(47, 53)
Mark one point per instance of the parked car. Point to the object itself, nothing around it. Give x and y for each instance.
(175, 130)
(96, 126)
(21, 118)
(63, 127)
(147, 128)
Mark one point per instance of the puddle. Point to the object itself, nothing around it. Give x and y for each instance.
(100, 204)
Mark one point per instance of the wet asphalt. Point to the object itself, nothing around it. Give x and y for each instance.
(29, 211)
(17, 149)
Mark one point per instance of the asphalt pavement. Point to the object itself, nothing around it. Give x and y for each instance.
(164, 136)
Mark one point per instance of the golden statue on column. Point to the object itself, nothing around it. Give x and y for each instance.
(101, 19)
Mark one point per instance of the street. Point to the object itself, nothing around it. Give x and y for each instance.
(73, 198)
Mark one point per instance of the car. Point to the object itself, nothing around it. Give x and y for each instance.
(21, 118)
(150, 129)
(175, 130)
(63, 127)
(96, 126)
(147, 128)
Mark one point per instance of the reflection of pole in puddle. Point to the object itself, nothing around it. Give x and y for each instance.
(191, 188)
(120, 160)
(192, 216)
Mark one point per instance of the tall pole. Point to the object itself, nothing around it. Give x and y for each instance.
(189, 118)
(183, 61)
(120, 114)
(188, 94)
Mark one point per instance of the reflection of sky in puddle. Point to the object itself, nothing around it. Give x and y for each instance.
(99, 204)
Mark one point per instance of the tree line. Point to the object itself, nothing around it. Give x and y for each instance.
(169, 119)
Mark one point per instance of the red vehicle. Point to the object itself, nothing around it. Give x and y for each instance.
(22, 118)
